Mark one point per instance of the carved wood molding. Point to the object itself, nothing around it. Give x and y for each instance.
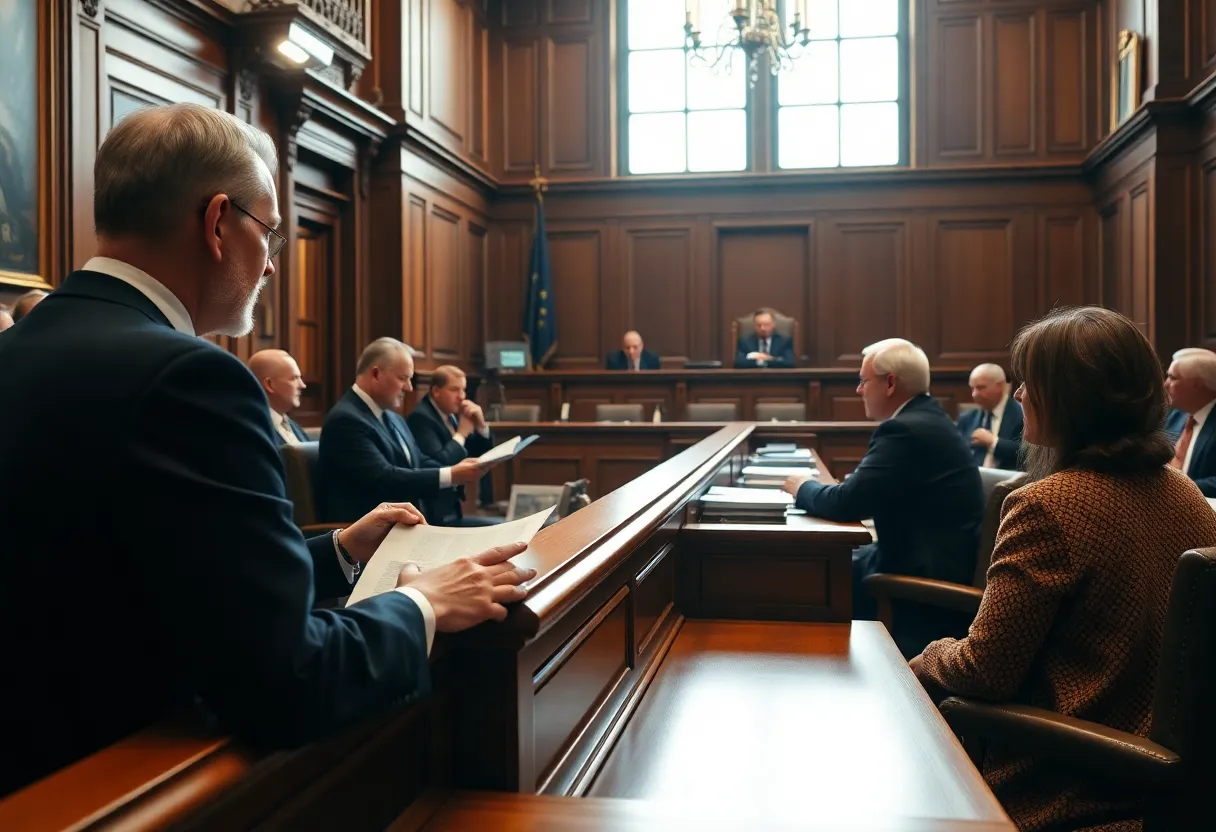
(90, 7)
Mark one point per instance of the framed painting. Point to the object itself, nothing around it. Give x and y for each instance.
(24, 247)
(1125, 85)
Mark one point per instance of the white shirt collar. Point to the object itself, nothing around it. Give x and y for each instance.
(278, 418)
(376, 409)
(999, 410)
(149, 287)
(1201, 414)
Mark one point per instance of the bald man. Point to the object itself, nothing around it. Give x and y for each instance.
(632, 355)
(994, 428)
(25, 303)
(280, 378)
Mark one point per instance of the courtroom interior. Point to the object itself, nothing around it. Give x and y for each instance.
(608, 414)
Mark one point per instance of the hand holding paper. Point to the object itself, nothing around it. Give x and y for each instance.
(506, 450)
(472, 589)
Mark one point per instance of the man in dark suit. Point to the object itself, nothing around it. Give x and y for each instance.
(994, 429)
(916, 480)
(280, 378)
(169, 571)
(450, 428)
(765, 347)
(1191, 383)
(632, 355)
(368, 453)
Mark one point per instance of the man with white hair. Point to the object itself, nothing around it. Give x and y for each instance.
(916, 480)
(1191, 384)
(994, 428)
(152, 558)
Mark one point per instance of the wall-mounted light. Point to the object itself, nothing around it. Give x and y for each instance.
(304, 48)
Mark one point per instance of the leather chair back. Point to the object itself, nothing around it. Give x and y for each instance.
(618, 413)
(998, 483)
(300, 464)
(519, 412)
(1184, 720)
(782, 325)
(781, 412)
(712, 412)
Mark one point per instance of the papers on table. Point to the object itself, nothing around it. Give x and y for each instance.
(506, 450)
(723, 504)
(782, 448)
(779, 471)
(431, 546)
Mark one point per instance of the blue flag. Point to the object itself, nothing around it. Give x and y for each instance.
(540, 319)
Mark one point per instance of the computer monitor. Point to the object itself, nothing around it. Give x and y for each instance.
(506, 356)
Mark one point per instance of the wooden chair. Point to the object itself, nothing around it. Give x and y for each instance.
(519, 413)
(618, 413)
(782, 325)
(712, 412)
(1176, 763)
(300, 466)
(781, 412)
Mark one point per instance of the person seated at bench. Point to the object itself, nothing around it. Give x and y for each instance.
(632, 355)
(1074, 611)
(994, 428)
(916, 480)
(280, 378)
(151, 556)
(765, 347)
(368, 453)
(1191, 384)
(450, 428)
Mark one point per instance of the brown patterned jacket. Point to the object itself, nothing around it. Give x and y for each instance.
(1072, 621)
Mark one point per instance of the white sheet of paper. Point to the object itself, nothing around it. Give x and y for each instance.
(777, 472)
(751, 495)
(503, 450)
(431, 546)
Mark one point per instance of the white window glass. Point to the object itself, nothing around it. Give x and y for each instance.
(867, 18)
(810, 137)
(869, 134)
(657, 143)
(869, 69)
(709, 90)
(717, 140)
(656, 81)
(814, 78)
(655, 24)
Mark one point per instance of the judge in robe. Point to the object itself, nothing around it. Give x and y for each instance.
(994, 429)
(765, 347)
(280, 378)
(450, 428)
(368, 453)
(1191, 384)
(633, 355)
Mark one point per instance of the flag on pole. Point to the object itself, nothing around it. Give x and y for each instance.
(540, 320)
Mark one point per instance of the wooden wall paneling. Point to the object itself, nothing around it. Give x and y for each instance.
(955, 82)
(506, 282)
(1140, 243)
(478, 98)
(1112, 263)
(417, 57)
(445, 302)
(1174, 296)
(863, 295)
(1204, 15)
(417, 257)
(1206, 307)
(519, 110)
(475, 323)
(448, 77)
(656, 270)
(577, 257)
(763, 264)
(570, 107)
(1063, 259)
(90, 121)
(1067, 79)
(1014, 47)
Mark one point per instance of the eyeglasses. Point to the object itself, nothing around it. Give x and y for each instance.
(274, 240)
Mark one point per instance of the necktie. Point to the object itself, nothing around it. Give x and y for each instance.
(289, 435)
(396, 434)
(1184, 444)
(986, 420)
(764, 346)
(636, 366)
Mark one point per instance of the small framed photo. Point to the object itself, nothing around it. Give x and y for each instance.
(1125, 85)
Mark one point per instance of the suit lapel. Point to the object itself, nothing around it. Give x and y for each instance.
(394, 445)
(1202, 441)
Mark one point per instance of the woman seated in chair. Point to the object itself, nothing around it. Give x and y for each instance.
(1073, 614)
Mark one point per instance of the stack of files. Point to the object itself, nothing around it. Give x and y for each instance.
(781, 455)
(722, 504)
(772, 476)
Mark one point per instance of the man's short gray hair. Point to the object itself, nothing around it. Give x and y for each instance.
(381, 353)
(1194, 362)
(902, 359)
(160, 164)
(992, 372)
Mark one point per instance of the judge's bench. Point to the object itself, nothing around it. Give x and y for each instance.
(664, 672)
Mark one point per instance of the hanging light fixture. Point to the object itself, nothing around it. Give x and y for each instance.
(757, 30)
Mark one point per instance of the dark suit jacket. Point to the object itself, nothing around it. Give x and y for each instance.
(919, 484)
(151, 553)
(1203, 458)
(781, 348)
(363, 465)
(295, 429)
(435, 438)
(618, 361)
(1008, 440)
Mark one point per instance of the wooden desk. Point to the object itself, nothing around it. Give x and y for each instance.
(531, 705)
(830, 394)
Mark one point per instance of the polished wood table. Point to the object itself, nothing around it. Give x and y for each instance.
(830, 394)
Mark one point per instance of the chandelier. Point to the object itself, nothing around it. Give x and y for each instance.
(757, 30)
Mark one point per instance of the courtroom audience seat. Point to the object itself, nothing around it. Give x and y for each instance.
(300, 467)
(519, 413)
(781, 412)
(618, 413)
(888, 589)
(1173, 767)
(712, 412)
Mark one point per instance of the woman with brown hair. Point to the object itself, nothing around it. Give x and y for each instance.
(1073, 614)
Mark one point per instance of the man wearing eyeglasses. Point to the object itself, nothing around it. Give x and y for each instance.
(151, 556)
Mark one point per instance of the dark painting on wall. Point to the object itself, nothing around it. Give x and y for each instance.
(19, 137)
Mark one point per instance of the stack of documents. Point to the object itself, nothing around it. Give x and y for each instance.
(722, 504)
(771, 476)
(778, 455)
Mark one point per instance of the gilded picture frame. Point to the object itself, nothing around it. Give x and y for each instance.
(1125, 80)
(25, 251)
